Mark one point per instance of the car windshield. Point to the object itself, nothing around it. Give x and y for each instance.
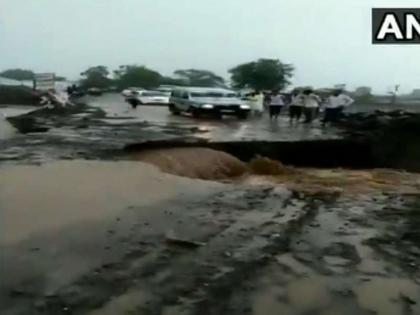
(212, 94)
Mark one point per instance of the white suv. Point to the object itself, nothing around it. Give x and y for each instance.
(213, 101)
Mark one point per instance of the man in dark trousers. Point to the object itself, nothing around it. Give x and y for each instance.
(276, 105)
(311, 103)
(335, 105)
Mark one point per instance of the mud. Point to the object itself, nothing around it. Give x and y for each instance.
(199, 163)
(393, 137)
(339, 181)
(91, 237)
(96, 243)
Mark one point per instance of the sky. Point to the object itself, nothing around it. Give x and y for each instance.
(328, 41)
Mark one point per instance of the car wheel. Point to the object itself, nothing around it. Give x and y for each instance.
(196, 113)
(173, 109)
(218, 115)
(243, 115)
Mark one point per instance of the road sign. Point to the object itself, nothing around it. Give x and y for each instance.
(44, 81)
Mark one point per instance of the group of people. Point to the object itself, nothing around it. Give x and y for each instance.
(304, 103)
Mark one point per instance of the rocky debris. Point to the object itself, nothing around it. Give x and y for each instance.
(378, 119)
(393, 137)
(57, 116)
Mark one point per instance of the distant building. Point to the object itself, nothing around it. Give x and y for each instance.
(363, 91)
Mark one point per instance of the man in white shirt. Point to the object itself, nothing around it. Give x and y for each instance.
(335, 105)
(256, 102)
(311, 103)
(276, 104)
(296, 106)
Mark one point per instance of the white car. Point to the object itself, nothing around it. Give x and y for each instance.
(148, 98)
(211, 101)
(129, 91)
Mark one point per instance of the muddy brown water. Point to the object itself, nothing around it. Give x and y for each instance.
(38, 198)
(80, 237)
(89, 238)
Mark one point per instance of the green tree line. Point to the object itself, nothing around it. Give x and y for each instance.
(262, 74)
(23, 75)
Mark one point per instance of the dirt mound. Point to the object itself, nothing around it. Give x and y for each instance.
(265, 166)
(393, 137)
(199, 163)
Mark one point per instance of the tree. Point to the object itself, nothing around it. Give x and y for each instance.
(18, 74)
(363, 91)
(137, 76)
(263, 74)
(195, 77)
(96, 77)
(172, 81)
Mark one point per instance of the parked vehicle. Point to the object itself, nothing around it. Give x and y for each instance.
(148, 98)
(129, 91)
(211, 101)
(167, 88)
(94, 91)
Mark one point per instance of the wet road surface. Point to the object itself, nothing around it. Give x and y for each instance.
(108, 124)
(92, 237)
(228, 129)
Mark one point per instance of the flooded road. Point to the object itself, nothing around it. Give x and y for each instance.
(39, 198)
(82, 237)
(60, 220)
(228, 129)
(110, 122)
(84, 230)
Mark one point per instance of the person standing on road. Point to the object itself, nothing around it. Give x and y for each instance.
(276, 104)
(335, 105)
(296, 106)
(311, 103)
(257, 103)
(267, 98)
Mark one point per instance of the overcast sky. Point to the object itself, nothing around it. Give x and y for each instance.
(328, 41)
